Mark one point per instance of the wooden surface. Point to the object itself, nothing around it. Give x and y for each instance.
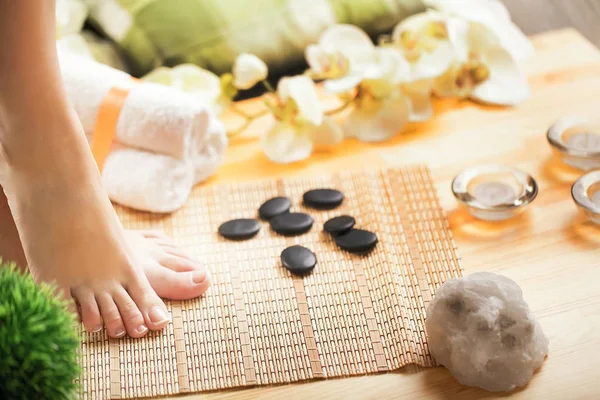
(551, 252)
(536, 16)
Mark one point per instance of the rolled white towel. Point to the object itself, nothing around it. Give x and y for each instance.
(147, 181)
(165, 140)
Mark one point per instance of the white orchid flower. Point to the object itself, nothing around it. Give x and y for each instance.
(301, 123)
(494, 15)
(483, 69)
(200, 83)
(341, 57)
(381, 106)
(424, 41)
(248, 70)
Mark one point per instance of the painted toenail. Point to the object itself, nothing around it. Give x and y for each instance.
(158, 315)
(120, 332)
(199, 277)
(97, 329)
(141, 329)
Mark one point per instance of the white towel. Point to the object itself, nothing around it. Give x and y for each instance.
(166, 141)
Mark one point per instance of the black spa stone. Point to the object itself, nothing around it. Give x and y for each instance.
(274, 207)
(339, 225)
(298, 260)
(357, 241)
(239, 229)
(291, 223)
(323, 199)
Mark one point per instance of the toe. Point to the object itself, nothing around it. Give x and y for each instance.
(179, 285)
(159, 235)
(90, 313)
(177, 251)
(130, 313)
(111, 315)
(179, 263)
(152, 307)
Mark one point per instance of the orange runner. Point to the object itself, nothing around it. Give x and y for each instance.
(106, 121)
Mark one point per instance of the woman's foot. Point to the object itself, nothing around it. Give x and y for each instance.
(170, 271)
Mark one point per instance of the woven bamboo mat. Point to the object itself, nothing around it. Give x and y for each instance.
(260, 325)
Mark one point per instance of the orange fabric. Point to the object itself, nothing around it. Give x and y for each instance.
(106, 122)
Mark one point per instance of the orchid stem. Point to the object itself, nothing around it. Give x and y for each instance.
(244, 114)
(238, 111)
(241, 129)
(249, 119)
(268, 86)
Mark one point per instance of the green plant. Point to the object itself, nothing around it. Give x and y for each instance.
(38, 341)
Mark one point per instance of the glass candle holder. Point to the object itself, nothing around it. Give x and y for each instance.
(586, 193)
(576, 141)
(494, 192)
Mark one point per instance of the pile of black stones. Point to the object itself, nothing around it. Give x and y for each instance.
(298, 259)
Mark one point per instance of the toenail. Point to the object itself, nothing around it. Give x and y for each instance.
(158, 315)
(141, 329)
(97, 329)
(120, 331)
(199, 277)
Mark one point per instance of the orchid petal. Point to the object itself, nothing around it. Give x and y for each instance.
(287, 143)
(161, 75)
(248, 70)
(351, 42)
(329, 133)
(420, 106)
(316, 58)
(506, 85)
(302, 90)
(379, 120)
(346, 39)
(416, 22)
(433, 64)
(203, 84)
(340, 85)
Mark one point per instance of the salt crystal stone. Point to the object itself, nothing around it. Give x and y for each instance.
(481, 329)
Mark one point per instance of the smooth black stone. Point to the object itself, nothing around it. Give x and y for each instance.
(274, 207)
(291, 223)
(357, 241)
(323, 199)
(338, 225)
(298, 260)
(239, 229)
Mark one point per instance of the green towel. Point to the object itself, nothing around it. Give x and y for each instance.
(211, 33)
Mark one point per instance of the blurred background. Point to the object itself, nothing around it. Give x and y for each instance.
(535, 16)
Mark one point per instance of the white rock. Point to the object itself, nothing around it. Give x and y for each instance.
(481, 329)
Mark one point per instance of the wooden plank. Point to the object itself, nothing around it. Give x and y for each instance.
(550, 252)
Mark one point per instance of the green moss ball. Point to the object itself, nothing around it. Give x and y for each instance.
(38, 341)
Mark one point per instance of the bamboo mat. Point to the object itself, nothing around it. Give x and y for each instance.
(258, 324)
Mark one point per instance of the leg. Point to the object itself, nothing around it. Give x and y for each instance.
(10, 245)
(69, 231)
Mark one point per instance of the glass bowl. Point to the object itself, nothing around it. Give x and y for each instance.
(576, 141)
(494, 192)
(586, 193)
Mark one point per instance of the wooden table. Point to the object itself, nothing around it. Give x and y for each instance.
(551, 251)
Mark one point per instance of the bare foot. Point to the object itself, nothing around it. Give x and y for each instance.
(171, 272)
